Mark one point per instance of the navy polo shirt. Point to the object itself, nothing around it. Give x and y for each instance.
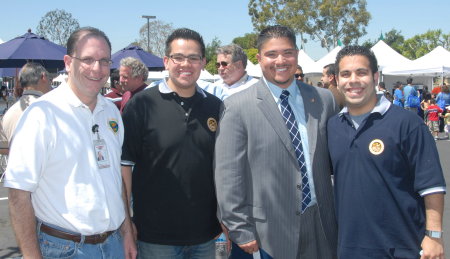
(379, 171)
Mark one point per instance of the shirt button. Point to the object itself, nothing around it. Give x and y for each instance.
(182, 103)
(187, 114)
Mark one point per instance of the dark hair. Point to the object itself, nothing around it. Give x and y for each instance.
(382, 85)
(354, 50)
(186, 34)
(409, 80)
(275, 31)
(300, 67)
(84, 32)
(331, 69)
(115, 77)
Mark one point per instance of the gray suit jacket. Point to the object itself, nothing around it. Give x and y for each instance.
(257, 173)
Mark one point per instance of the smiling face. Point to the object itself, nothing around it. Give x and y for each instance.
(357, 82)
(278, 59)
(183, 76)
(87, 80)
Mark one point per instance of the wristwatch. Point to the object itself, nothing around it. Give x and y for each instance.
(434, 234)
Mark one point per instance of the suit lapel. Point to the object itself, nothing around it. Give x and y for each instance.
(311, 104)
(269, 108)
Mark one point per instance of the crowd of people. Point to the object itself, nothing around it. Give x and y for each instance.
(282, 168)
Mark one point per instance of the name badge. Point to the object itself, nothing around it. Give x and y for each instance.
(101, 153)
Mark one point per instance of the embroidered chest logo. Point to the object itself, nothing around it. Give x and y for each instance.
(113, 125)
(376, 147)
(212, 124)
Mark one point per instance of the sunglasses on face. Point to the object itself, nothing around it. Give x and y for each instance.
(299, 75)
(222, 63)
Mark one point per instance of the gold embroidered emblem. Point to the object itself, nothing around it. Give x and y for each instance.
(212, 124)
(376, 147)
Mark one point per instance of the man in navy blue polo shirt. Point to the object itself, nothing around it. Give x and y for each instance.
(389, 184)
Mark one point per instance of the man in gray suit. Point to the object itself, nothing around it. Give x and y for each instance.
(272, 168)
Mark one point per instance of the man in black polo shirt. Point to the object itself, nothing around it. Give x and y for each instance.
(169, 139)
(389, 185)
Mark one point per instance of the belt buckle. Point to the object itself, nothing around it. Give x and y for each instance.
(103, 235)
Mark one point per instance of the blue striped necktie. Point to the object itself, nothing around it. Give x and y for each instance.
(292, 126)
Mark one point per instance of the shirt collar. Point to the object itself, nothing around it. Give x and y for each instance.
(241, 81)
(32, 92)
(164, 88)
(381, 107)
(276, 90)
(74, 101)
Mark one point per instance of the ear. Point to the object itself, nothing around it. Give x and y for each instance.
(375, 77)
(258, 57)
(166, 62)
(67, 62)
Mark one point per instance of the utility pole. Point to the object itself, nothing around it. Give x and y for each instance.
(148, 17)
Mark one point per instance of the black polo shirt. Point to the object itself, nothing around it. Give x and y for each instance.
(171, 140)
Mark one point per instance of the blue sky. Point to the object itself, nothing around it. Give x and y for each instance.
(223, 19)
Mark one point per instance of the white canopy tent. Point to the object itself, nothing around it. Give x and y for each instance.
(304, 60)
(253, 70)
(387, 56)
(317, 67)
(435, 63)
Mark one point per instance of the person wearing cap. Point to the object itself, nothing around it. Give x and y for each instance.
(64, 203)
(388, 181)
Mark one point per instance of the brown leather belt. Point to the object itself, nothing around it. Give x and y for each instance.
(94, 239)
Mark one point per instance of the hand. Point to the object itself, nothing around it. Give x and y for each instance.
(432, 248)
(250, 247)
(129, 245)
(225, 231)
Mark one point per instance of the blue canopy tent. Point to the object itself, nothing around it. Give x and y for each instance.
(31, 47)
(153, 62)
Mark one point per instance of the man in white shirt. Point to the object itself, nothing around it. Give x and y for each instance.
(231, 64)
(35, 81)
(63, 201)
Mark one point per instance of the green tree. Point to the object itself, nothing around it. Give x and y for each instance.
(211, 56)
(57, 25)
(393, 38)
(251, 55)
(421, 44)
(326, 21)
(248, 41)
(159, 31)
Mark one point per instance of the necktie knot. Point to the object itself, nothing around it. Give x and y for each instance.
(284, 95)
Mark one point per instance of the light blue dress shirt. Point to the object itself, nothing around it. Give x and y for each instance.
(296, 102)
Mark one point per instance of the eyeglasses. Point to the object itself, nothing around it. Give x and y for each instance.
(104, 62)
(222, 63)
(192, 59)
(299, 75)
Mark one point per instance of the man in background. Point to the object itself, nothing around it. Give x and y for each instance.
(117, 90)
(329, 81)
(133, 74)
(409, 90)
(35, 81)
(231, 64)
